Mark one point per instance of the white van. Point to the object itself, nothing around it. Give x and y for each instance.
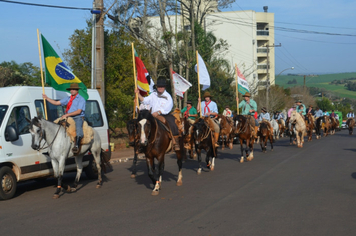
(18, 161)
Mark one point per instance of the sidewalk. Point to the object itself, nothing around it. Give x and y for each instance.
(123, 155)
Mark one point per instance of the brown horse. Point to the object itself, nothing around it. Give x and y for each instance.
(187, 140)
(204, 140)
(264, 135)
(350, 124)
(318, 128)
(155, 140)
(310, 126)
(282, 128)
(244, 132)
(226, 131)
(326, 124)
(333, 126)
(131, 126)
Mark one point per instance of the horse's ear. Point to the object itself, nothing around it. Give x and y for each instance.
(151, 110)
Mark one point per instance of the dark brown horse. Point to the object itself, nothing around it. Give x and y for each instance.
(226, 131)
(290, 131)
(264, 133)
(155, 140)
(318, 128)
(204, 140)
(333, 126)
(350, 124)
(310, 126)
(186, 135)
(326, 125)
(244, 132)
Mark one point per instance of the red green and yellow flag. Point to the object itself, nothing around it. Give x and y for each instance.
(143, 77)
(58, 75)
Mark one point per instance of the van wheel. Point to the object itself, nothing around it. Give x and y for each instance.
(8, 183)
(91, 171)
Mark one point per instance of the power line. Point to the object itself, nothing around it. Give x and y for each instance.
(43, 5)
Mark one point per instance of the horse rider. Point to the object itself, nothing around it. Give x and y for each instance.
(318, 113)
(293, 108)
(310, 110)
(265, 117)
(208, 108)
(278, 116)
(326, 113)
(332, 115)
(75, 109)
(350, 115)
(249, 107)
(190, 112)
(301, 108)
(161, 103)
(227, 112)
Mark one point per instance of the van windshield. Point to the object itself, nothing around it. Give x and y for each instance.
(3, 110)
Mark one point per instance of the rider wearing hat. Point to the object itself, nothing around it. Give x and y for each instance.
(75, 109)
(301, 108)
(190, 112)
(249, 107)
(227, 112)
(208, 108)
(161, 103)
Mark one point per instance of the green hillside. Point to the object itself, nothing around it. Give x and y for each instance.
(320, 81)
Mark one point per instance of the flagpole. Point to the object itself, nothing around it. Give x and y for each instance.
(134, 69)
(237, 90)
(43, 91)
(196, 52)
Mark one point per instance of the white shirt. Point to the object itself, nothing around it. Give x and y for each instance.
(158, 103)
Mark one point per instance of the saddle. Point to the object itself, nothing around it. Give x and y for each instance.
(69, 124)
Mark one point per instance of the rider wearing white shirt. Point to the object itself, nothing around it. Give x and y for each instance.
(350, 115)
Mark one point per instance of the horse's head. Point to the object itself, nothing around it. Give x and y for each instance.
(294, 116)
(144, 126)
(132, 130)
(200, 130)
(37, 132)
(186, 125)
(239, 121)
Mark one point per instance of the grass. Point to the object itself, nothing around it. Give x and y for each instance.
(320, 81)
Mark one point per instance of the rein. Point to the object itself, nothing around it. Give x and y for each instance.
(41, 148)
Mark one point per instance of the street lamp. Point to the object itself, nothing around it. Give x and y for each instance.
(292, 68)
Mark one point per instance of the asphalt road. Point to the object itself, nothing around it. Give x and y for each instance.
(290, 191)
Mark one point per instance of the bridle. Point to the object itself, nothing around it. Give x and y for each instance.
(42, 134)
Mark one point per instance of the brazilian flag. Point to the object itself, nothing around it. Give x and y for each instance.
(58, 75)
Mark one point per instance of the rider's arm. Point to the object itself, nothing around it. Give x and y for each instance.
(54, 102)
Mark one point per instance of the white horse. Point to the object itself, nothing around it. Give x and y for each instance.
(60, 148)
(300, 128)
(275, 128)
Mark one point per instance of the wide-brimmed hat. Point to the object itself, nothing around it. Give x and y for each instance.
(73, 86)
(207, 94)
(299, 101)
(227, 106)
(161, 83)
(247, 94)
(189, 102)
(264, 109)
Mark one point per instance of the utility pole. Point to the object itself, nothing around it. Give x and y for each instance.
(304, 82)
(99, 48)
(268, 82)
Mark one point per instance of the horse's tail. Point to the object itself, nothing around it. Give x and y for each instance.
(105, 161)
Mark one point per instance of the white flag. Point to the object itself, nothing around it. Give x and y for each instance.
(204, 77)
(181, 85)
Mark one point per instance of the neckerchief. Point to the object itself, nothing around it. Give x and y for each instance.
(206, 106)
(186, 113)
(70, 102)
(162, 96)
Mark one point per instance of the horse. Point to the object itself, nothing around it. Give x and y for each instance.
(60, 148)
(264, 135)
(350, 124)
(333, 126)
(155, 140)
(226, 131)
(132, 130)
(310, 126)
(275, 127)
(281, 127)
(326, 124)
(187, 126)
(300, 128)
(204, 139)
(318, 128)
(244, 132)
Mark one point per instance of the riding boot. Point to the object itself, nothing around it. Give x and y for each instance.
(75, 149)
(176, 143)
(216, 136)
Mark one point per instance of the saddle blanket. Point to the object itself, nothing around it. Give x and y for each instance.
(87, 130)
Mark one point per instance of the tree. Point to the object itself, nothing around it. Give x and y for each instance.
(12, 74)
(325, 104)
(278, 100)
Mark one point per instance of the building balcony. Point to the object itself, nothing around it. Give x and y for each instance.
(262, 32)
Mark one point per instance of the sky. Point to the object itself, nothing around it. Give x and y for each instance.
(309, 53)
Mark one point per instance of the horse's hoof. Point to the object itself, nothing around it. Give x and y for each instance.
(55, 196)
(199, 171)
(133, 176)
(98, 185)
(72, 190)
(179, 183)
(212, 168)
(155, 192)
(241, 160)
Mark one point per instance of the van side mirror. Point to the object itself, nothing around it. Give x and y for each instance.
(11, 134)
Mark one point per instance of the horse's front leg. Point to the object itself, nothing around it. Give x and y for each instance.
(151, 169)
(242, 150)
(158, 183)
(134, 163)
(180, 166)
(198, 151)
(58, 168)
(250, 148)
